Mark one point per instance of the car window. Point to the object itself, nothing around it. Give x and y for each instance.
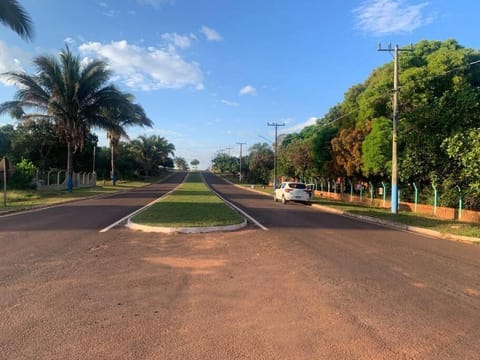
(297, 186)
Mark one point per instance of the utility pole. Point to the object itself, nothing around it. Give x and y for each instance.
(241, 144)
(394, 196)
(275, 153)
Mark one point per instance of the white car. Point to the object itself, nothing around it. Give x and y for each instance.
(292, 191)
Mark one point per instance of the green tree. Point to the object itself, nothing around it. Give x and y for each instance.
(7, 132)
(151, 153)
(260, 163)
(377, 149)
(70, 95)
(181, 163)
(122, 115)
(322, 152)
(13, 15)
(194, 163)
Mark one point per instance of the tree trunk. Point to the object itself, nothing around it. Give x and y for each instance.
(114, 170)
(69, 167)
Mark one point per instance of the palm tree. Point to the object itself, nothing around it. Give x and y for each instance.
(68, 94)
(151, 152)
(14, 16)
(121, 116)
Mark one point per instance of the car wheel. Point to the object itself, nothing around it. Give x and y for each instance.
(284, 201)
(275, 198)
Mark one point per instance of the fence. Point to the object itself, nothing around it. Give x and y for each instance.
(57, 180)
(366, 193)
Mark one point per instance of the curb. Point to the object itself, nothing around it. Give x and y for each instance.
(184, 230)
(386, 223)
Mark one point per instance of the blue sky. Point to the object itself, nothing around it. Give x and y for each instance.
(212, 73)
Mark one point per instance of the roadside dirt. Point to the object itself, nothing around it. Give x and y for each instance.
(239, 295)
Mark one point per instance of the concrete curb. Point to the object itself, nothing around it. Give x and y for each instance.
(184, 230)
(386, 223)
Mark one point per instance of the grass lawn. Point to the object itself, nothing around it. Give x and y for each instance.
(453, 227)
(19, 199)
(191, 205)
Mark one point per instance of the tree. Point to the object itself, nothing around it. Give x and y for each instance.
(70, 95)
(194, 163)
(13, 15)
(322, 150)
(152, 152)
(38, 142)
(377, 149)
(298, 156)
(122, 115)
(181, 163)
(347, 151)
(260, 163)
(6, 134)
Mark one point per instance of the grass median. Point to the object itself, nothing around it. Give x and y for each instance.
(193, 204)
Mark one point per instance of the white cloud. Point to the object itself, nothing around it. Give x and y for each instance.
(11, 59)
(146, 68)
(296, 128)
(229, 103)
(156, 4)
(180, 41)
(248, 90)
(382, 17)
(69, 40)
(211, 34)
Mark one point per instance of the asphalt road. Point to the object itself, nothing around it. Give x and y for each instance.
(314, 286)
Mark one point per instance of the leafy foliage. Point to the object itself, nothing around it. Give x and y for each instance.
(23, 175)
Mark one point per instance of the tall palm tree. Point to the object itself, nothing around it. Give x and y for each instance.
(14, 16)
(68, 94)
(151, 152)
(125, 114)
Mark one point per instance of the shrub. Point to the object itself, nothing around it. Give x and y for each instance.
(23, 176)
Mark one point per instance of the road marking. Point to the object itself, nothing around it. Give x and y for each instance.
(125, 218)
(236, 208)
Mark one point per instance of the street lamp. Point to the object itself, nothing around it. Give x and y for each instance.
(94, 150)
(241, 144)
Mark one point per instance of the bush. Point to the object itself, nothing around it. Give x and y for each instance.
(23, 176)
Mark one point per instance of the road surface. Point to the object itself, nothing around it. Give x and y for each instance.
(314, 286)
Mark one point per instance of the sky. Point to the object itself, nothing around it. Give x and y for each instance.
(213, 73)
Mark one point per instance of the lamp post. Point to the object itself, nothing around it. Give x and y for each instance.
(275, 153)
(241, 144)
(94, 150)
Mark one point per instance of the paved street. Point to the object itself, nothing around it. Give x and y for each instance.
(314, 286)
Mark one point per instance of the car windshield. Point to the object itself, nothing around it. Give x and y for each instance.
(297, 186)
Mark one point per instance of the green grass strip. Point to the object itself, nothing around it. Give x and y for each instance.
(191, 205)
(24, 199)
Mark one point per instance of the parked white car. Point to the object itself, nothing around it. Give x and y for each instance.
(292, 191)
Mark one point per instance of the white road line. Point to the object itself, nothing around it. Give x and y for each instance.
(236, 208)
(125, 218)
